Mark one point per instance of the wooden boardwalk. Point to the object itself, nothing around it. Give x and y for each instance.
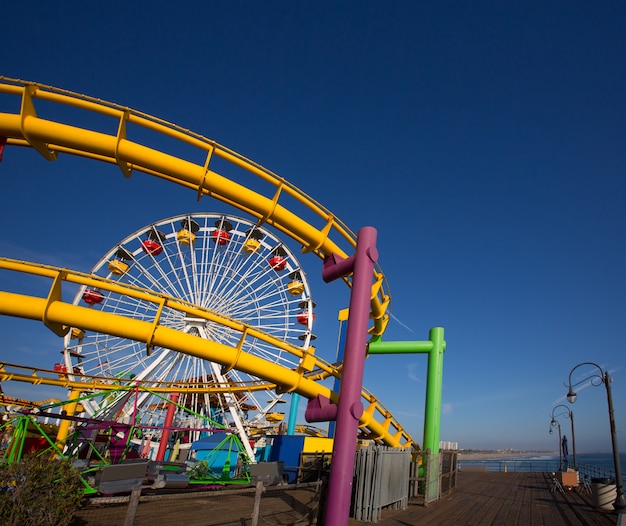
(506, 499)
(480, 499)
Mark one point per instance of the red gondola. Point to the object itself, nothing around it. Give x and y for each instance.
(152, 245)
(278, 261)
(93, 297)
(303, 316)
(221, 234)
(220, 237)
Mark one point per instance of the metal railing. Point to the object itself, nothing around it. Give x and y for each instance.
(595, 471)
(515, 465)
(533, 465)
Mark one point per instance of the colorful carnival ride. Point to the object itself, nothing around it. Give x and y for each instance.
(191, 327)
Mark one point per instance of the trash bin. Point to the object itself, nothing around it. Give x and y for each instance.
(603, 493)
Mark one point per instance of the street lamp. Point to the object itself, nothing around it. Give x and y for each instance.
(553, 423)
(603, 377)
(570, 415)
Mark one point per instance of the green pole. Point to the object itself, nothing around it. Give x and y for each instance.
(435, 348)
(16, 446)
(434, 389)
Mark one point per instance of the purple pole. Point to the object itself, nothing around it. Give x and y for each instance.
(350, 407)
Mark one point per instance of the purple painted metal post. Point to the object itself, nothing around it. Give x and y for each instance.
(350, 407)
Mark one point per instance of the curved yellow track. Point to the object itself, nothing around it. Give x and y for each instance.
(283, 209)
(376, 423)
(49, 138)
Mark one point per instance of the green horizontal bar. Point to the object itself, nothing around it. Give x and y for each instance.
(379, 347)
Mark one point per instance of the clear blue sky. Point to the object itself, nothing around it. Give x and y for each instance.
(483, 140)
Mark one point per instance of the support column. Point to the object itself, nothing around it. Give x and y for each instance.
(434, 390)
(350, 407)
(435, 348)
(343, 324)
(64, 426)
(293, 413)
(165, 435)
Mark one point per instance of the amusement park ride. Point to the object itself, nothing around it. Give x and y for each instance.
(195, 326)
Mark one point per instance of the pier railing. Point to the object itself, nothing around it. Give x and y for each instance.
(517, 465)
(532, 465)
(595, 471)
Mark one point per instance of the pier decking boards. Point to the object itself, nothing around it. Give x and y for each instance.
(479, 499)
(505, 499)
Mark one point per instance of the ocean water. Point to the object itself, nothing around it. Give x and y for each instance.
(594, 465)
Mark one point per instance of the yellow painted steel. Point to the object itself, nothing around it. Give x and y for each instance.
(64, 426)
(89, 280)
(317, 445)
(93, 320)
(50, 138)
(37, 375)
(327, 236)
(305, 380)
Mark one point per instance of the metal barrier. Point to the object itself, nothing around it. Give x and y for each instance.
(448, 471)
(595, 472)
(517, 465)
(431, 476)
(381, 480)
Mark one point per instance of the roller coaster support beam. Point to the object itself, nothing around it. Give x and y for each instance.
(349, 408)
(165, 436)
(343, 322)
(64, 426)
(293, 414)
(435, 348)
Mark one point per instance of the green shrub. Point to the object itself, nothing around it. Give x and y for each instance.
(39, 491)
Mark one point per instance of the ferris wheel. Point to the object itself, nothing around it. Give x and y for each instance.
(222, 264)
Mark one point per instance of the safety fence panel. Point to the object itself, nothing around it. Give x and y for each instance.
(431, 476)
(381, 481)
(448, 471)
(418, 474)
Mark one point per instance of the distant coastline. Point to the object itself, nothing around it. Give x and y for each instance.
(488, 455)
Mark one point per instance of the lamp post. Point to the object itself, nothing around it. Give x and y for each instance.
(620, 502)
(570, 415)
(553, 422)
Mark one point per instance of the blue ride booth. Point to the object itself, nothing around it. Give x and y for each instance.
(303, 457)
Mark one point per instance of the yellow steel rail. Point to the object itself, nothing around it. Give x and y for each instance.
(82, 382)
(376, 422)
(328, 236)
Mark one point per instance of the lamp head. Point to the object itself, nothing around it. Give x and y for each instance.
(571, 395)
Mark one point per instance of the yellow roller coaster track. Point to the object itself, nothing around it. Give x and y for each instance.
(332, 237)
(50, 138)
(376, 423)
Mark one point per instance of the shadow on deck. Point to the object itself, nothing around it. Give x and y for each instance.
(508, 499)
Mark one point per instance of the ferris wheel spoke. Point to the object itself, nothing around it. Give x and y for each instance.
(226, 265)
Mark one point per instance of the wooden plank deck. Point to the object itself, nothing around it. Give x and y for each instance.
(506, 499)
